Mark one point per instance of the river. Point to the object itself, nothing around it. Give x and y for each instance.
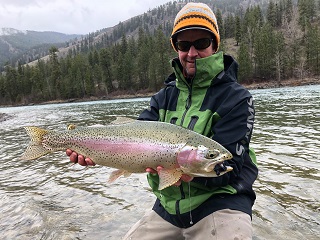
(50, 198)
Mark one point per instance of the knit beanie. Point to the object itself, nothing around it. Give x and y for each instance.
(195, 16)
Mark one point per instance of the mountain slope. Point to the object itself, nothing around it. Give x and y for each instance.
(28, 46)
(14, 43)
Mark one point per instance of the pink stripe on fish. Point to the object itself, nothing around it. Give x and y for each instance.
(121, 146)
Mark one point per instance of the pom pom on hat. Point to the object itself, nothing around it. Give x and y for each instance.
(195, 16)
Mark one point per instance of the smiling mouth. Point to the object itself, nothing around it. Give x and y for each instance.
(191, 63)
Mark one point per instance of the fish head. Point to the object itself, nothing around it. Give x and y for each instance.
(202, 161)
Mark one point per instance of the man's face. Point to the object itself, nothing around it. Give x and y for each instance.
(187, 58)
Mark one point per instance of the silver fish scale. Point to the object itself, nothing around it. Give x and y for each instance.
(133, 133)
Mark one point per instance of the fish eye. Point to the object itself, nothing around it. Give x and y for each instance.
(212, 154)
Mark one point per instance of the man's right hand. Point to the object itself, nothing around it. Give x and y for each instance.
(77, 158)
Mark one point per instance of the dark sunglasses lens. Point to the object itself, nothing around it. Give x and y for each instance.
(199, 44)
(202, 43)
(183, 45)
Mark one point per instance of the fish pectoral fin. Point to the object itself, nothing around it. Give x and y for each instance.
(117, 173)
(168, 177)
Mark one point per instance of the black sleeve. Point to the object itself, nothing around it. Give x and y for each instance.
(152, 113)
(233, 131)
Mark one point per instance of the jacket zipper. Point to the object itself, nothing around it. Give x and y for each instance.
(188, 105)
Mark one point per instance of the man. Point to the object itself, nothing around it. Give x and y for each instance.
(202, 95)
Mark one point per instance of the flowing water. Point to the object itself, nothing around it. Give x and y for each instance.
(50, 198)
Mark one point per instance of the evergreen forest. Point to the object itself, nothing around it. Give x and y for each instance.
(278, 41)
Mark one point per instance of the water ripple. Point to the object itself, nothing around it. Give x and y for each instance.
(50, 198)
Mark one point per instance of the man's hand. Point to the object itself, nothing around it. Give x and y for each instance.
(76, 158)
(184, 177)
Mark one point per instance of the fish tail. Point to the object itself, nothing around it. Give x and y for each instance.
(35, 148)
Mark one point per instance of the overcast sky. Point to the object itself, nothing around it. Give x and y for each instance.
(70, 16)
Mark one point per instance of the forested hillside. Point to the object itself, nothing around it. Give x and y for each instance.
(270, 40)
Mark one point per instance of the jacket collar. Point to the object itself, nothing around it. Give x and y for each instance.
(206, 70)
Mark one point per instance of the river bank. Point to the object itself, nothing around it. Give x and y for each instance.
(122, 95)
(283, 83)
(249, 86)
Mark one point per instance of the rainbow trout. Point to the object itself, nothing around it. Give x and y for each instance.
(133, 147)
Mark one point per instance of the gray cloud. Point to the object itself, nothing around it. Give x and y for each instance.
(69, 16)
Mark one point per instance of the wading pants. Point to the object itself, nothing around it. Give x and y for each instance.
(224, 224)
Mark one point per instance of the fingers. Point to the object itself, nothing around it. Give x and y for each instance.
(177, 184)
(69, 152)
(159, 168)
(81, 160)
(89, 162)
(186, 178)
(75, 158)
(154, 171)
(85, 161)
(151, 170)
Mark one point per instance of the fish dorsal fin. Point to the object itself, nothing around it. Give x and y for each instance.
(71, 127)
(168, 177)
(122, 120)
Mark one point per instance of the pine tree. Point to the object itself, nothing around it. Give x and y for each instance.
(272, 14)
(293, 35)
(237, 30)
(229, 26)
(245, 63)
(288, 10)
(313, 49)
(251, 24)
(105, 65)
(279, 46)
(54, 82)
(220, 24)
(143, 65)
(161, 47)
(264, 52)
(306, 12)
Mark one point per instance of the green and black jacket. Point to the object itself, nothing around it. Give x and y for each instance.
(215, 105)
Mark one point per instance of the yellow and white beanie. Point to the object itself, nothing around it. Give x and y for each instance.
(195, 16)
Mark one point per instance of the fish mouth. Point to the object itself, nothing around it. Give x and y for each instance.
(217, 168)
(211, 166)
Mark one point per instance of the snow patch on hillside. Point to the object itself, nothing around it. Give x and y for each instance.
(10, 31)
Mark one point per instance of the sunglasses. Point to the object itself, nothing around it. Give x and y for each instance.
(199, 44)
